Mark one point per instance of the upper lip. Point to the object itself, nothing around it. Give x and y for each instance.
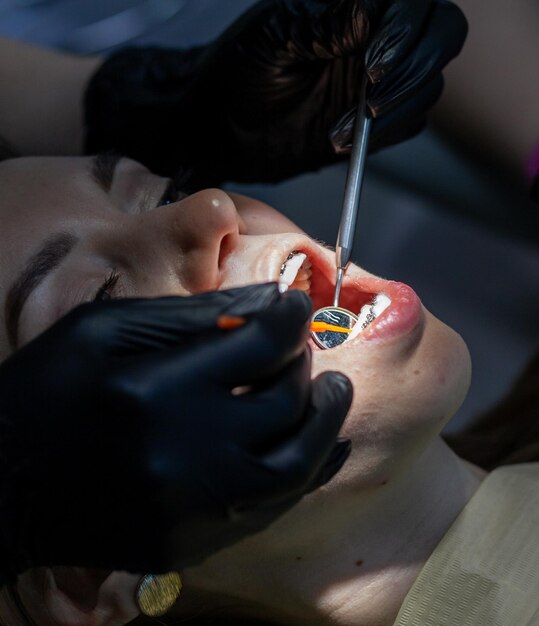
(314, 253)
(323, 262)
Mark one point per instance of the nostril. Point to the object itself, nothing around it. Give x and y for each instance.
(226, 246)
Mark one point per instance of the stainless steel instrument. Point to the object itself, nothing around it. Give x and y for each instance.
(352, 191)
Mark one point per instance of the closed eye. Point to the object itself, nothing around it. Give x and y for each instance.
(171, 194)
(178, 187)
(106, 291)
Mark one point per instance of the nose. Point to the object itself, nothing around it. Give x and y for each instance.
(199, 233)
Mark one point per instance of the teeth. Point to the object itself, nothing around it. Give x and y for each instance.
(296, 270)
(365, 316)
(369, 312)
(380, 304)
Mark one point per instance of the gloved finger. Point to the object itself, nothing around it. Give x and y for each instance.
(132, 325)
(441, 41)
(289, 469)
(395, 35)
(221, 364)
(249, 300)
(405, 121)
(333, 465)
(341, 135)
(417, 104)
(272, 411)
(408, 119)
(259, 349)
(258, 515)
(330, 401)
(199, 313)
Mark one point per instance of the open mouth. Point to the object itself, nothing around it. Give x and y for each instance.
(331, 327)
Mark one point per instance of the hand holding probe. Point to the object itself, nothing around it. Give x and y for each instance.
(352, 191)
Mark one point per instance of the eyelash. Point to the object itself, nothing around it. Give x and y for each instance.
(172, 194)
(105, 292)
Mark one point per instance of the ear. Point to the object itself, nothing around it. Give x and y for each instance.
(79, 596)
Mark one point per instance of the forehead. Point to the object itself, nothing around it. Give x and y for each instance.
(40, 194)
(43, 180)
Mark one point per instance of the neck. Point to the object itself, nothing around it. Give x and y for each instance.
(343, 556)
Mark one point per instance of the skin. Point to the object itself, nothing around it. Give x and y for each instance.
(377, 521)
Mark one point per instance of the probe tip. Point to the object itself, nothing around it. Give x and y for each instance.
(338, 283)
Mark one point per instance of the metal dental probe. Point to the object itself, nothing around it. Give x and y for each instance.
(352, 191)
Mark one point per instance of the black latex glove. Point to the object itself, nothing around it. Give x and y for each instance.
(122, 446)
(275, 95)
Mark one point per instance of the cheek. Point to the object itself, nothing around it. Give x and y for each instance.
(444, 371)
(430, 381)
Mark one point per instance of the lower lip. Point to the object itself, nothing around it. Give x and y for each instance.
(402, 317)
(402, 320)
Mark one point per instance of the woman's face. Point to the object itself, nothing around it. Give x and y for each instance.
(74, 229)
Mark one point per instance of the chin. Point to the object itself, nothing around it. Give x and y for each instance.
(402, 398)
(410, 371)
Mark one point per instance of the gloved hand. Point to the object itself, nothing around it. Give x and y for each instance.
(124, 446)
(275, 95)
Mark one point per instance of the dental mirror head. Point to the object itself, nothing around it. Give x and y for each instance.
(331, 326)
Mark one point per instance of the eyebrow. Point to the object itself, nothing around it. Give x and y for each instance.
(103, 168)
(52, 253)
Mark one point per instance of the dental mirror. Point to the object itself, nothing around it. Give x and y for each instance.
(331, 326)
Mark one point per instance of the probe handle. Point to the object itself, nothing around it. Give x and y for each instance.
(354, 182)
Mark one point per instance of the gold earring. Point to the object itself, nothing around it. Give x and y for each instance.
(155, 595)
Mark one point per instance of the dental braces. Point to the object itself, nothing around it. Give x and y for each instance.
(283, 266)
(347, 319)
(330, 318)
